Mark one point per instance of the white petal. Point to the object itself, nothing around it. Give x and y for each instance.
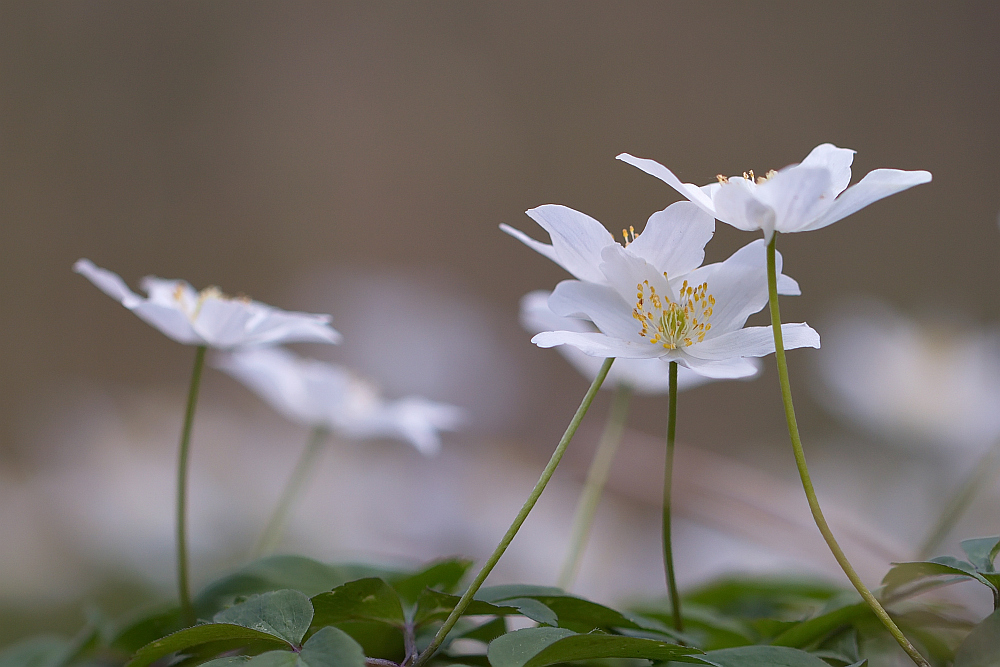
(599, 304)
(874, 186)
(598, 345)
(536, 316)
(837, 161)
(231, 323)
(537, 246)
(753, 342)
(727, 369)
(624, 271)
(577, 239)
(797, 196)
(736, 204)
(788, 286)
(280, 378)
(739, 285)
(419, 421)
(689, 190)
(674, 239)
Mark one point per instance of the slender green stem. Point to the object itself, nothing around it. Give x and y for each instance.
(183, 587)
(800, 462)
(960, 501)
(668, 476)
(491, 562)
(293, 487)
(597, 477)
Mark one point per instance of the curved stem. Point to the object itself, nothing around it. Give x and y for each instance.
(597, 477)
(183, 587)
(960, 502)
(293, 487)
(491, 562)
(800, 462)
(668, 476)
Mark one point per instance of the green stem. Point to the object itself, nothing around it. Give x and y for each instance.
(597, 477)
(668, 475)
(960, 502)
(184, 589)
(296, 482)
(491, 562)
(800, 462)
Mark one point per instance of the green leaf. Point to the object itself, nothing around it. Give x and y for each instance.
(228, 661)
(902, 574)
(436, 606)
(497, 593)
(140, 629)
(284, 614)
(566, 611)
(764, 656)
(365, 599)
(444, 575)
(330, 646)
(981, 648)
(534, 609)
(277, 573)
(982, 551)
(275, 659)
(814, 629)
(224, 634)
(488, 631)
(537, 647)
(43, 651)
(376, 638)
(763, 596)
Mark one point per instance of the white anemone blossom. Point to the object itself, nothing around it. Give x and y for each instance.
(209, 317)
(644, 376)
(317, 394)
(695, 319)
(798, 198)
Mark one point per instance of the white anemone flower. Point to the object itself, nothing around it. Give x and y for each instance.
(644, 376)
(317, 394)
(798, 198)
(674, 239)
(695, 319)
(209, 317)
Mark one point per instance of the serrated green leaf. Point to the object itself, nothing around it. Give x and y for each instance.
(444, 575)
(285, 614)
(538, 647)
(981, 648)
(43, 651)
(902, 574)
(365, 599)
(813, 629)
(982, 551)
(210, 633)
(764, 656)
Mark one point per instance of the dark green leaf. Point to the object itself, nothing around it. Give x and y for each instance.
(140, 629)
(762, 597)
(707, 628)
(567, 611)
(276, 659)
(496, 594)
(436, 606)
(215, 633)
(981, 647)
(488, 631)
(444, 575)
(376, 638)
(764, 656)
(285, 614)
(814, 629)
(982, 551)
(533, 609)
(537, 647)
(902, 574)
(330, 646)
(365, 599)
(228, 661)
(44, 651)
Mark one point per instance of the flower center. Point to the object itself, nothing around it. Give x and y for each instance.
(203, 296)
(673, 324)
(629, 232)
(748, 176)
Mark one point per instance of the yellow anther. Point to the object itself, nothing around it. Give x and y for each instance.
(722, 179)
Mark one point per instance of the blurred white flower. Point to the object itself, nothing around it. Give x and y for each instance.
(317, 394)
(798, 198)
(695, 319)
(209, 317)
(932, 383)
(644, 376)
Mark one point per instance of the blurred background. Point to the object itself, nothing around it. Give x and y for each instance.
(357, 158)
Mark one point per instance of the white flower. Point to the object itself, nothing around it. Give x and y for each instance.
(929, 383)
(695, 319)
(317, 394)
(209, 317)
(644, 376)
(674, 239)
(798, 198)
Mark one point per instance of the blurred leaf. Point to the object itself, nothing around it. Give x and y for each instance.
(228, 661)
(436, 606)
(285, 614)
(488, 631)
(981, 647)
(444, 575)
(812, 630)
(764, 656)
(708, 629)
(902, 574)
(537, 647)
(377, 639)
(43, 651)
(982, 551)
(274, 573)
(275, 659)
(140, 629)
(762, 597)
(219, 635)
(552, 606)
(365, 599)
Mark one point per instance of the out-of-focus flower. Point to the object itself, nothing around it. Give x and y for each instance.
(209, 317)
(695, 319)
(317, 394)
(798, 198)
(931, 383)
(644, 376)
